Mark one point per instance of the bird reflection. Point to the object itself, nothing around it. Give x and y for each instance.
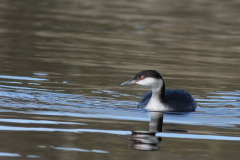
(146, 140)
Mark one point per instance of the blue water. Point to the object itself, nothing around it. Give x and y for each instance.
(217, 109)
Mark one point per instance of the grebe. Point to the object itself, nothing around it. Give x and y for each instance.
(160, 99)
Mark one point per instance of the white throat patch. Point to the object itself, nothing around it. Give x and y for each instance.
(154, 104)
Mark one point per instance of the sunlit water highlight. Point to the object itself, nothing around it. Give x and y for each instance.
(36, 101)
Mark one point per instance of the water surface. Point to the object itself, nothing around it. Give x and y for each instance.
(62, 63)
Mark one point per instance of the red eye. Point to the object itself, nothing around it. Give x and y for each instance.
(142, 77)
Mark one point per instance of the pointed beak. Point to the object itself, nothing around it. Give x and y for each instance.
(130, 81)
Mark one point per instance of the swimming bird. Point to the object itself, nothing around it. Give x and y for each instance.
(159, 98)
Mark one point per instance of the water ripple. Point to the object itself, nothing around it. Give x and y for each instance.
(23, 78)
(118, 132)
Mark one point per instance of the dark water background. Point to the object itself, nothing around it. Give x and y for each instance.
(62, 63)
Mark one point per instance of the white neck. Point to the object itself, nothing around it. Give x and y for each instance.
(156, 102)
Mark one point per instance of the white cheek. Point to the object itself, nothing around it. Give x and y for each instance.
(148, 82)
